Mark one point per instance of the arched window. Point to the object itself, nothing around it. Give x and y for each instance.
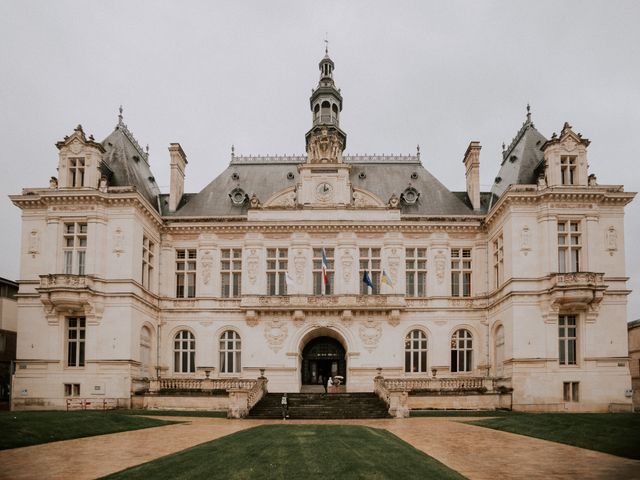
(145, 351)
(334, 110)
(184, 352)
(499, 350)
(415, 352)
(230, 352)
(325, 112)
(461, 351)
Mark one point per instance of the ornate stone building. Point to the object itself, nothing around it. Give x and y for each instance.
(510, 298)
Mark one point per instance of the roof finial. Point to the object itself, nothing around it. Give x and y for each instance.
(147, 150)
(233, 151)
(418, 151)
(120, 115)
(326, 43)
(504, 147)
(528, 112)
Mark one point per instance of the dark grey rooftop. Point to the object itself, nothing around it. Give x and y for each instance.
(128, 164)
(522, 160)
(382, 175)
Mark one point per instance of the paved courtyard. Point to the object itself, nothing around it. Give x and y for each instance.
(476, 452)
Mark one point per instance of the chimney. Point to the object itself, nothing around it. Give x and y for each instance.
(178, 164)
(472, 165)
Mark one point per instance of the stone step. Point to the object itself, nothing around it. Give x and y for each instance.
(321, 405)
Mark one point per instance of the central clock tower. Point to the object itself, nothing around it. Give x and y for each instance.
(324, 179)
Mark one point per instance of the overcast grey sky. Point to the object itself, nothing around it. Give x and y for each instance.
(213, 74)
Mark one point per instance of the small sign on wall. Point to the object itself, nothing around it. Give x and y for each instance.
(98, 389)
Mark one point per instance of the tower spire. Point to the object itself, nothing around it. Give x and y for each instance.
(325, 141)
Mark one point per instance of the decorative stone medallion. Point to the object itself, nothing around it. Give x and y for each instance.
(370, 333)
(276, 332)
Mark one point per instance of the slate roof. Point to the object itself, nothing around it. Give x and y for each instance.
(381, 175)
(521, 161)
(128, 164)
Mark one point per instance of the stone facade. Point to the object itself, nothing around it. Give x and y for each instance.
(522, 289)
(634, 359)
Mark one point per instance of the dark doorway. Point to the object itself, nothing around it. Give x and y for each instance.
(321, 357)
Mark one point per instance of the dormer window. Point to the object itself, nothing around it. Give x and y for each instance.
(76, 172)
(567, 170)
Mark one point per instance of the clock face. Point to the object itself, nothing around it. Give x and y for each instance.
(324, 191)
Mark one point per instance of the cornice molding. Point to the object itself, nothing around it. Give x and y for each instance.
(529, 194)
(43, 198)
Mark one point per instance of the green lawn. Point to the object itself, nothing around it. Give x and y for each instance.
(461, 413)
(615, 433)
(297, 451)
(176, 413)
(20, 429)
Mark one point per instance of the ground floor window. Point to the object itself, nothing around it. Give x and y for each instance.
(71, 389)
(184, 352)
(570, 391)
(415, 352)
(230, 352)
(461, 351)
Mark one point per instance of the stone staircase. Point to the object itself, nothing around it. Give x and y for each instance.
(321, 406)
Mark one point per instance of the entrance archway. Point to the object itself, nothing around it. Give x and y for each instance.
(321, 357)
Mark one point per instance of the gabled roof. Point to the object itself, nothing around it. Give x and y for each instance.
(128, 164)
(521, 160)
(382, 175)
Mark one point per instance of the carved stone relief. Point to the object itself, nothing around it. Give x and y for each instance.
(207, 267)
(611, 240)
(286, 200)
(118, 241)
(347, 263)
(441, 264)
(370, 333)
(252, 266)
(276, 332)
(299, 261)
(34, 243)
(525, 240)
(394, 265)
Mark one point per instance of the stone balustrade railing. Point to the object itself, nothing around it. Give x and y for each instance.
(243, 393)
(440, 384)
(256, 393)
(202, 384)
(395, 391)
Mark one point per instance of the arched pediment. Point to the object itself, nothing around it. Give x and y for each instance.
(364, 199)
(286, 198)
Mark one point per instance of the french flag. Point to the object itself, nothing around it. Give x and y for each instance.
(325, 265)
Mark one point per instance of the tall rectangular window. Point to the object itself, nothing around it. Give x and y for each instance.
(567, 170)
(75, 247)
(231, 272)
(569, 246)
(75, 341)
(498, 261)
(277, 264)
(186, 273)
(416, 272)
(76, 172)
(370, 263)
(461, 272)
(567, 339)
(571, 391)
(148, 256)
(318, 287)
